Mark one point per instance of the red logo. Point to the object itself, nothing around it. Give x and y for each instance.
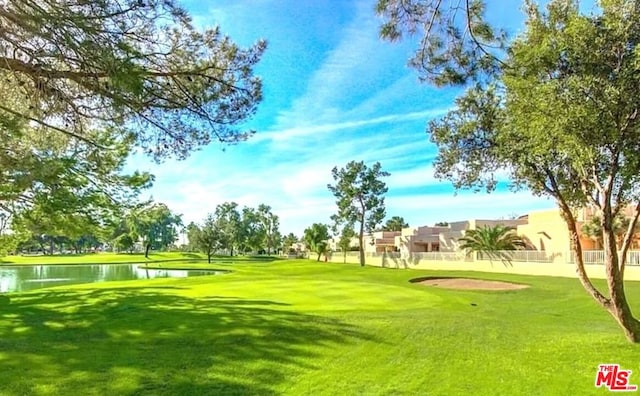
(614, 378)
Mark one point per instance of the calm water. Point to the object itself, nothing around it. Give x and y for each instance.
(17, 279)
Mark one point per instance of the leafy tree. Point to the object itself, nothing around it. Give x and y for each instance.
(276, 240)
(346, 235)
(125, 242)
(269, 224)
(209, 237)
(396, 223)
(9, 243)
(492, 241)
(9, 239)
(316, 237)
(457, 44)
(359, 195)
(156, 225)
(441, 224)
(138, 68)
(47, 226)
(288, 241)
(252, 232)
(559, 113)
(192, 230)
(229, 222)
(71, 182)
(121, 237)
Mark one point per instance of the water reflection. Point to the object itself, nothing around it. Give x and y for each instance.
(18, 279)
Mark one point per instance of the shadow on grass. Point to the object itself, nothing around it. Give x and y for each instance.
(192, 255)
(152, 341)
(263, 258)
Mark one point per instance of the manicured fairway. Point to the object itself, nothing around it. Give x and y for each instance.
(299, 327)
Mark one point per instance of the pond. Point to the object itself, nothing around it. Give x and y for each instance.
(20, 279)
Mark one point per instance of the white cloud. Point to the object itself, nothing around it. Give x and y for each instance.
(415, 177)
(305, 131)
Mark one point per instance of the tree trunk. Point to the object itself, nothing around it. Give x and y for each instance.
(231, 251)
(576, 248)
(361, 239)
(620, 310)
(146, 250)
(209, 257)
(318, 256)
(617, 305)
(345, 256)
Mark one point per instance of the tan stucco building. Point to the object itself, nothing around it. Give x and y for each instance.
(543, 230)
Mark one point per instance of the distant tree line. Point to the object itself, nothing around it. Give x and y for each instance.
(234, 230)
(149, 225)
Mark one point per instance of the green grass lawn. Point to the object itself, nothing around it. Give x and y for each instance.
(299, 327)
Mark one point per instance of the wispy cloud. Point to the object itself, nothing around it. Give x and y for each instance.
(314, 130)
(420, 176)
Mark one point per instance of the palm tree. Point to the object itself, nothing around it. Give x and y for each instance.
(494, 242)
(593, 229)
(316, 238)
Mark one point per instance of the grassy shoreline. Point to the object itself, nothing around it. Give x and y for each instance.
(121, 258)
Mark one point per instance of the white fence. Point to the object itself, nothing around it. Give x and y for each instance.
(527, 256)
(440, 256)
(597, 257)
(524, 256)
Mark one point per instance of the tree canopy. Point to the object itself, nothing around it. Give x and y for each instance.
(396, 223)
(209, 238)
(456, 45)
(558, 112)
(245, 230)
(155, 224)
(269, 224)
(344, 242)
(359, 193)
(229, 222)
(85, 83)
(288, 241)
(136, 68)
(45, 174)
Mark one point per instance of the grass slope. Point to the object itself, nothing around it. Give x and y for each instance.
(298, 327)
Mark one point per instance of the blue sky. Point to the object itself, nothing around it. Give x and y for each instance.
(333, 92)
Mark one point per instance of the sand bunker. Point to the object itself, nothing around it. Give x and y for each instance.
(468, 284)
